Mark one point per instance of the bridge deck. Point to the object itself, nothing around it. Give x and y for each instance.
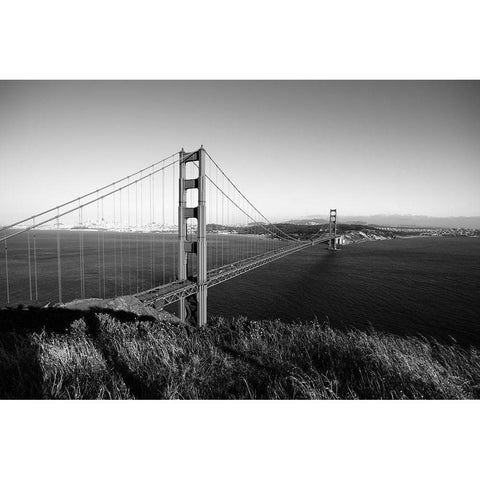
(174, 291)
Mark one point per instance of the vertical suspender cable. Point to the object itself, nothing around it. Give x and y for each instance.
(244, 239)
(115, 244)
(6, 272)
(250, 236)
(231, 243)
(121, 244)
(163, 226)
(254, 236)
(266, 238)
(129, 244)
(103, 252)
(80, 249)
(250, 241)
(228, 241)
(260, 242)
(80, 233)
(136, 227)
(217, 221)
(247, 245)
(35, 259)
(154, 280)
(83, 260)
(234, 221)
(142, 230)
(151, 231)
(29, 266)
(59, 260)
(223, 218)
(257, 237)
(243, 249)
(254, 239)
(240, 244)
(174, 274)
(83, 255)
(98, 249)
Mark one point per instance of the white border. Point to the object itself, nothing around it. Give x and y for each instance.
(239, 40)
(239, 439)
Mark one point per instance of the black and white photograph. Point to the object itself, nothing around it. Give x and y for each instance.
(239, 241)
(311, 240)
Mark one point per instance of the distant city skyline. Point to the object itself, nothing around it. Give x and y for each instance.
(294, 148)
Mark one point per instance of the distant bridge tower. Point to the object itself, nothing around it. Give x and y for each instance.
(193, 307)
(332, 229)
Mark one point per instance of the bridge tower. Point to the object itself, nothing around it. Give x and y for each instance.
(332, 229)
(194, 307)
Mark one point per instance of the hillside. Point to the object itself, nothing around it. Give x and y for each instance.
(92, 355)
(398, 221)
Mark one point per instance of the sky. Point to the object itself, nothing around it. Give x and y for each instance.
(294, 148)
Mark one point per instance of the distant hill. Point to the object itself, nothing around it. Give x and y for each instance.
(309, 221)
(396, 220)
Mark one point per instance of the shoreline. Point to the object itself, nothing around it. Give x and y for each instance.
(374, 237)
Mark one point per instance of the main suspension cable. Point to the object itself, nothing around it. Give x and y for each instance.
(84, 196)
(6, 237)
(250, 203)
(251, 218)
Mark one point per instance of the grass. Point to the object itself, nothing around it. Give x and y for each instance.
(100, 357)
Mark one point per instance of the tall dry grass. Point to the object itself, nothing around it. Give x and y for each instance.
(235, 358)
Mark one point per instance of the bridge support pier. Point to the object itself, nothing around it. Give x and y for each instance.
(193, 308)
(332, 229)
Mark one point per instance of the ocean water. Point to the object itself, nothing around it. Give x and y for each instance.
(428, 286)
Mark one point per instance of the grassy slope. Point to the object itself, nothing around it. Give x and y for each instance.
(105, 358)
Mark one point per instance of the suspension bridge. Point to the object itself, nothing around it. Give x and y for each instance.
(164, 234)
